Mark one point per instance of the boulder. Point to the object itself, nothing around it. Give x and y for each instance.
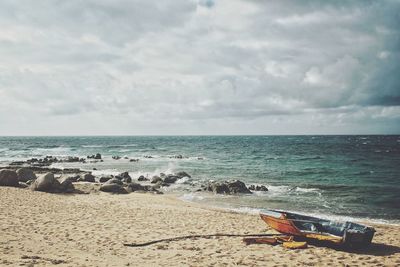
(46, 183)
(132, 187)
(227, 187)
(113, 188)
(8, 178)
(237, 186)
(88, 177)
(258, 187)
(104, 179)
(66, 185)
(170, 179)
(217, 188)
(155, 179)
(125, 177)
(142, 178)
(116, 157)
(114, 181)
(182, 174)
(25, 174)
(23, 185)
(72, 179)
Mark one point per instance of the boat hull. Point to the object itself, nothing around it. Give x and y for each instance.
(346, 233)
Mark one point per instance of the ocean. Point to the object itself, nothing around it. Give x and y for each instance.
(341, 177)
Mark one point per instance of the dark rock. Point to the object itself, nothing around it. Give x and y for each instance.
(66, 185)
(97, 156)
(142, 178)
(182, 174)
(124, 177)
(73, 179)
(23, 185)
(217, 188)
(47, 183)
(8, 178)
(113, 188)
(126, 157)
(163, 175)
(160, 184)
(25, 174)
(104, 179)
(237, 186)
(133, 160)
(132, 187)
(258, 187)
(116, 157)
(114, 181)
(227, 187)
(88, 177)
(156, 179)
(170, 179)
(148, 157)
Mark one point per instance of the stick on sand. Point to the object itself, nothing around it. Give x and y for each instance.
(193, 236)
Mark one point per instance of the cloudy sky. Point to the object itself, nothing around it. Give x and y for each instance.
(132, 67)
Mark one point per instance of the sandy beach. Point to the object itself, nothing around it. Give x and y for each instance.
(43, 229)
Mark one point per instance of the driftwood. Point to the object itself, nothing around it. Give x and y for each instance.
(193, 236)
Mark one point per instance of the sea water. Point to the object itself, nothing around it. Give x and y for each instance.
(332, 176)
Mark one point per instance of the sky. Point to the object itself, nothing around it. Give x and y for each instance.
(199, 67)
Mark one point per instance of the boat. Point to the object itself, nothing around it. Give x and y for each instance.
(347, 234)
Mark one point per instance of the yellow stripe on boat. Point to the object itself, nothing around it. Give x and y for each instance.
(294, 245)
(333, 239)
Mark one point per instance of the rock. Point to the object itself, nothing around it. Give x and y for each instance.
(72, 179)
(46, 183)
(182, 174)
(217, 188)
(97, 156)
(88, 177)
(104, 179)
(133, 160)
(163, 175)
(148, 157)
(237, 186)
(8, 178)
(126, 157)
(160, 184)
(170, 179)
(113, 188)
(142, 178)
(25, 174)
(155, 179)
(227, 187)
(66, 185)
(23, 185)
(116, 157)
(114, 181)
(258, 187)
(132, 187)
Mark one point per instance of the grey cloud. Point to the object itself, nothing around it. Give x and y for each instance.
(206, 62)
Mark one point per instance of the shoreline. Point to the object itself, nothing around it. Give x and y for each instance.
(90, 229)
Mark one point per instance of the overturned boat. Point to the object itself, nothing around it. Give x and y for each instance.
(340, 233)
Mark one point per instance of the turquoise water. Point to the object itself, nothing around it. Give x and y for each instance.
(350, 176)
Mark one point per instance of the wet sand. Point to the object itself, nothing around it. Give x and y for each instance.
(42, 229)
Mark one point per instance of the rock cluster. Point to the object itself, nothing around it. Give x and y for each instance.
(258, 187)
(227, 187)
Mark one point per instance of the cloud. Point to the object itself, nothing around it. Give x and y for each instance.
(253, 66)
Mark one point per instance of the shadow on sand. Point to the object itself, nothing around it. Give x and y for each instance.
(375, 249)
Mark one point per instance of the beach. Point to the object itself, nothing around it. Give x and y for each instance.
(43, 229)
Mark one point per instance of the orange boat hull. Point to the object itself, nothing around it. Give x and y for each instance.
(281, 225)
